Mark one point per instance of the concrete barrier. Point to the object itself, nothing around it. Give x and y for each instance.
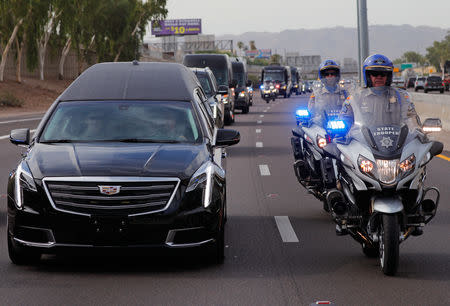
(434, 106)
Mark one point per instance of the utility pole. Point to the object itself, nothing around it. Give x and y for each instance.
(363, 36)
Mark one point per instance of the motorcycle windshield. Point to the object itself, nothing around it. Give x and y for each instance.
(378, 120)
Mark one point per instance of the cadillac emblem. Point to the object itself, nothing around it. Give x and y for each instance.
(109, 190)
(386, 142)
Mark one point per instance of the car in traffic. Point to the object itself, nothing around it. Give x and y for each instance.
(280, 76)
(209, 85)
(447, 82)
(241, 92)
(220, 64)
(295, 79)
(419, 83)
(410, 82)
(398, 82)
(125, 158)
(433, 83)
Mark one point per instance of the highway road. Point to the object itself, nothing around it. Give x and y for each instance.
(281, 247)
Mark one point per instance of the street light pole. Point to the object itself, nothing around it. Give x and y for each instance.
(363, 35)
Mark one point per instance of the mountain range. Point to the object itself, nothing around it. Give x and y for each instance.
(342, 42)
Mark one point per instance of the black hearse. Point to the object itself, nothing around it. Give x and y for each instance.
(126, 157)
(241, 94)
(220, 65)
(280, 76)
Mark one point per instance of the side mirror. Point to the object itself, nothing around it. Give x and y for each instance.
(20, 136)
(249, 83)
(432, 125)
(222, 89)
(227, 137)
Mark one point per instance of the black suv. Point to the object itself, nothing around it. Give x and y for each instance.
(126, 157)
(242, 95)
(433, 83)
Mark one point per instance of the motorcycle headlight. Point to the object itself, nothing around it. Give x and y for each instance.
(202, 178)
(321, 141)
(366, 166)
(387, 170)
(225, 99)
(408, 164)
(23, 181)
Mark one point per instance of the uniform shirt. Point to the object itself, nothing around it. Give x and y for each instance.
(323, 102)
(380, 106)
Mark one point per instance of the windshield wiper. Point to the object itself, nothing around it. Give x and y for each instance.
(137, 140)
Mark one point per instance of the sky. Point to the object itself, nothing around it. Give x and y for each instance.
(239, 16)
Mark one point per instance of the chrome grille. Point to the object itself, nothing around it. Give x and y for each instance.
(137, 196)
(387, 170)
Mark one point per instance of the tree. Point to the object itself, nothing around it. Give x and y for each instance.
(240, 45)
(413, 57)
(439, 53)
(252, 45)
(275, 59)
(12, 13)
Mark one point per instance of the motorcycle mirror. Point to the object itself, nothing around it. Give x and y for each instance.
(297, 132)
(436, 148)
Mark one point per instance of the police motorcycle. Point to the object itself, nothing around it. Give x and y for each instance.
(314, 171)
(268, 91)
(381, 197)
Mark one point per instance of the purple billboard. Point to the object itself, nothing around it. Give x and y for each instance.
(176, 27)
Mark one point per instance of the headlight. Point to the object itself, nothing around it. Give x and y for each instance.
(23, 181)
(202, 178)
(387, 170)
(365, 165)
(321, 141)
(284, 87)
(242, 94)
(408, 164)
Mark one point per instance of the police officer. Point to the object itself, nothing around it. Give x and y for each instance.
(377, 103)
(328, 96)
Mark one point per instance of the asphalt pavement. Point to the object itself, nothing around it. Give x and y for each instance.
(281, 247)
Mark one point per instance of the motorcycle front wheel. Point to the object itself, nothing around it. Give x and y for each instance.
(389, 233)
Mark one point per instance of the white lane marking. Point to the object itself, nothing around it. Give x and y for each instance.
(259, 121)
(264, 170)
(258, 131)
(21, 120)
(265, 111)
(259, 144)
(262, 116)
(7, 136)
(285, 228)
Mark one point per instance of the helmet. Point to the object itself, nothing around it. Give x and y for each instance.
(377, 62)
(329, 64)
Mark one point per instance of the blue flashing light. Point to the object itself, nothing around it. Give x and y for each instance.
(262, 86)
(303, 113)
(336, 125)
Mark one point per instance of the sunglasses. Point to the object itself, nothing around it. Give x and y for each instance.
(378, 73)
(329, 73)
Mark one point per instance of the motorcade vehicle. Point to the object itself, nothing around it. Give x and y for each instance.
(268, 91)
(433, 83)
(280, 76)
(419, 83)
(220, 65)
(410, 82)
(125, 158)
(241, 92)
(307, 86)
(209, 85)
(380, 168)
(398, 83)
(250, 92)
(295, 79)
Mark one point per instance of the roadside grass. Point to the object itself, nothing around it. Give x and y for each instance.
(7, 99)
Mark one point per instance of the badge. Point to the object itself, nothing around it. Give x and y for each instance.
(386, 142)
(109, 190)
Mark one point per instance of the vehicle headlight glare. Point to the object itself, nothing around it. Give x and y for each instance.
(23, 180)
(202, 178)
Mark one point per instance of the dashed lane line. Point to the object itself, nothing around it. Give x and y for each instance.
(258, 131)
(285, 228)
(264, 170)
(21, 120)
(262, 116)
(259, 144)
(259, 121)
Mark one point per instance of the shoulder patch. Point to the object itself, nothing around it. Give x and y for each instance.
(312, 96)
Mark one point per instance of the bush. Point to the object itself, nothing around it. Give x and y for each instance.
(7, 99)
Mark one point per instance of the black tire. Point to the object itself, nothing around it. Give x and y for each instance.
(415, 89)
(325, 206)
(425, 91)
(218, 247)
(370, 251)
(21, 255)
(246, 109)
(389, 233)
(442, 91)
(267, 100)
(285, 95)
